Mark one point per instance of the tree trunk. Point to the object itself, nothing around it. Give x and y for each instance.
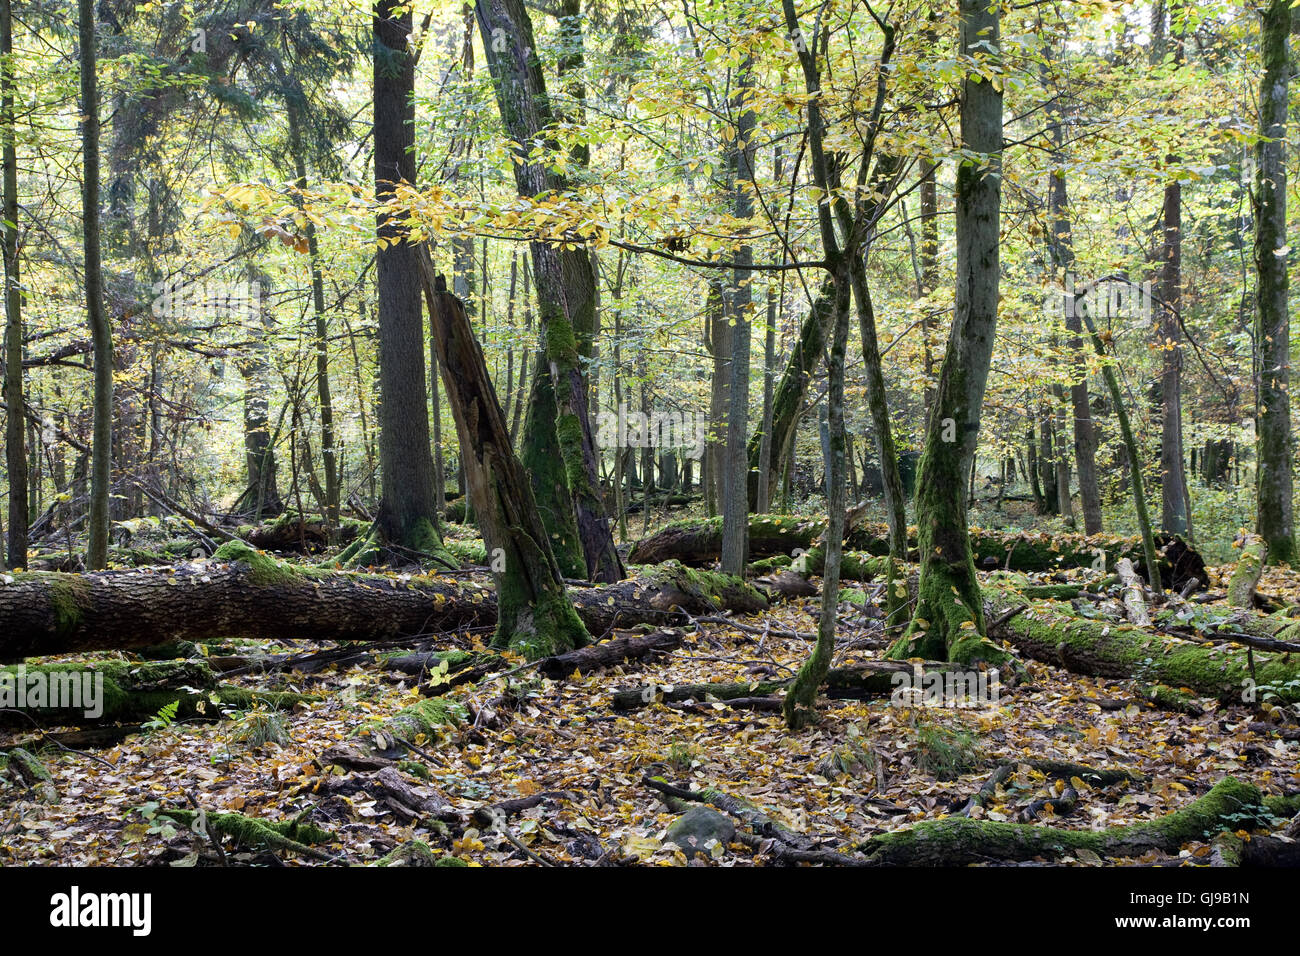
(949, 621)
(1272, 323)
(805, 355)
(329, 450)
(244, 593)
(1130, 445)
(533, 613)
(407, 512)
(15, 402)
(739, 300)
(929, 268)
(101, 469)
(565, 280)
(1085, 433)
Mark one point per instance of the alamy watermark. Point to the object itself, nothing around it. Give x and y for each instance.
(1112, 298)
(49, 689)
(205, 301)
(659, 429)
(949, 688)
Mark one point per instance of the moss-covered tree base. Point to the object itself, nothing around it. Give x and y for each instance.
(419, 544)
(948, 622)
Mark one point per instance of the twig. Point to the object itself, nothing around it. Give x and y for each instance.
(213, 838)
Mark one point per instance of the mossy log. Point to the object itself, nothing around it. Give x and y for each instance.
(1050, 634)
(699, 542)
(245, 594)
(295, 836)
(859, 682)
(109, 691)
(309, 532)
(959, 841)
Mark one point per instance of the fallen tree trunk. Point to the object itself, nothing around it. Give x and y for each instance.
(303, 533)
(628, 647)
(246, 594)
(957, 841)
(107, 691)
(859, 682)
(1109, 649)
(699, 542)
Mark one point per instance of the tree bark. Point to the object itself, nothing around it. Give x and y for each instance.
(565, 280)
(243, 593)
(1274, 444)
(407, 511)
(949, 620)
(15, 402)
(101, 469)
(533, 613)
(739, 299)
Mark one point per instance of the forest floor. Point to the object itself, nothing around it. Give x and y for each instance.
(561, 743)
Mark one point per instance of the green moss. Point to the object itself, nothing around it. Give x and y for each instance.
(29, 766)
(959, 841)
(543, 628)
(263, 570)
(413, 853)
(244, 698)
(423, 538)
(69, 598)
(130, 691)
(296, 835)
(472, 552)
(711, 588)
(1117, 650)
(568, 432)
(430, 716)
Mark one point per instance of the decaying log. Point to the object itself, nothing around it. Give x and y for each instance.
(699, 542)
(859, 682)
(609, 653)
(957, 841)
(243, 593)
(1135, 604)
(1049, 633)
(1249, 569)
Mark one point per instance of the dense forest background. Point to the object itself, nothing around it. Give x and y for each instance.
(384, 372)
(237, 162)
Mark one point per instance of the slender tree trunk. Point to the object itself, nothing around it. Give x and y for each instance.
(798, 705)
(15, 401)
(735, 500)
(949, 621)
(1130, 445)
(101, 334)
(929, 267)
(329, 451)
(764, 491)
(1175, 510)
(1274, 445)
(719, 343)
(792, 389)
